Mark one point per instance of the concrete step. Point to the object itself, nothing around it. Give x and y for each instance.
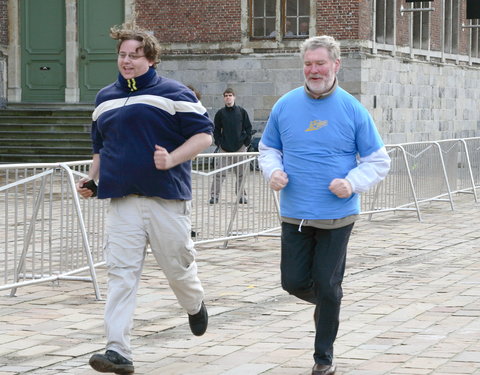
(45, 133)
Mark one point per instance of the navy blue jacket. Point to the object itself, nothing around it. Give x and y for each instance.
(130, 118)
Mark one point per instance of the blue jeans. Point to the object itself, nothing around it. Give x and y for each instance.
(312, 268)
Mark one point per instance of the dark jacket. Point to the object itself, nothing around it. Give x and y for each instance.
(232, 128)
(130, 118)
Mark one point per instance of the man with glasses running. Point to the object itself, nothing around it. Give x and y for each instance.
(145, 131)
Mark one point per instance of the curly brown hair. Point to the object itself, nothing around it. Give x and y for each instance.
(130, 31)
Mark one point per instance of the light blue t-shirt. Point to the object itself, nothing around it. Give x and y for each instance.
(320, 140)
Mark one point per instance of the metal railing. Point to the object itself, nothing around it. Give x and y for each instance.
(246, 206)
(423, 172)
(48, 233)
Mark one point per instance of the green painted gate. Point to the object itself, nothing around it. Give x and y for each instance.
(43, 50)
(43, 44)
(98, 59)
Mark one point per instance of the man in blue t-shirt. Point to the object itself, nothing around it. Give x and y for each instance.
(146, 129)
(320, 148)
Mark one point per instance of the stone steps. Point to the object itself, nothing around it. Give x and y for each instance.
(31, 133)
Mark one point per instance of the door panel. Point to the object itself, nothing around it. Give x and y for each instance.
(43, 50)
(98, 58)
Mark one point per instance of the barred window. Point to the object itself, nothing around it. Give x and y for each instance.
(421, 26)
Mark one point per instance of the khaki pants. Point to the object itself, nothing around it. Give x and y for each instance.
(132, 223)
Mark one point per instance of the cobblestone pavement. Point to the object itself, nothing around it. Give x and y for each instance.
(411, 306)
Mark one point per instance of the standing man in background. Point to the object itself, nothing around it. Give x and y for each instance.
(309, 152)
(145, 130)
(232, 133)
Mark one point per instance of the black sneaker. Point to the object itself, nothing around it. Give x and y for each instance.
(199, 321)
(111, 361)
(242, 200)
(213, 200)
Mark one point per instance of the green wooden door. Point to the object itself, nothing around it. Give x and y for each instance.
(98, 59)
(43, 50)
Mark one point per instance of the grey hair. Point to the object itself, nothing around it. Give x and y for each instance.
(325, 41)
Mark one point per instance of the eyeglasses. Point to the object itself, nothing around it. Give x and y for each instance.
(131, 56)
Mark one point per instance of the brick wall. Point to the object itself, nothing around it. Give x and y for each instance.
(209, 21)
(198, 21)
(338, 18)
(436, 28)
(206, 25)
(365, 20)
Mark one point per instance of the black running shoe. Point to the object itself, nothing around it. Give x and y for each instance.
(199, 321)
(111, 361)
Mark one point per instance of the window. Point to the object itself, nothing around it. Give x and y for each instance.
(475, 41)
(451, 22)
(473, 15)
(421, 26)
(297, 18)
(288, 18)
(263, 18)
(384, 21)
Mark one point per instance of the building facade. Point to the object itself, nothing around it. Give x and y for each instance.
(415, 65)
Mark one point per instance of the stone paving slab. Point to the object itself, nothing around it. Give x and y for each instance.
(411, 306)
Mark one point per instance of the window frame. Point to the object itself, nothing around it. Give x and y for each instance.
(474, 39)
(451, 27)
(280, 32)
(252, 18)
(298, 18)
(385, 22)
(421, 26)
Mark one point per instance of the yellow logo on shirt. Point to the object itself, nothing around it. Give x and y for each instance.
(315, 125)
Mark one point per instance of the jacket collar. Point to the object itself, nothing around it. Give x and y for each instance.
(137, 83)
(231, 108)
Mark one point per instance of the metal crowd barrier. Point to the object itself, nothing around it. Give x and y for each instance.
(423, 172)
(472, 150)
(246, 206)
(49, 233)
(396, 192)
